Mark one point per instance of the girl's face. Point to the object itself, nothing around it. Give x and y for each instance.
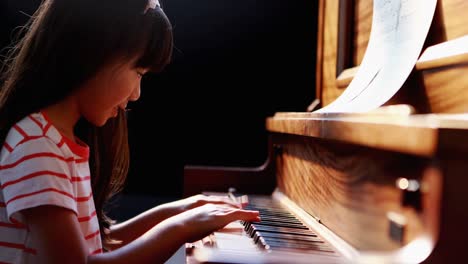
(110, 89)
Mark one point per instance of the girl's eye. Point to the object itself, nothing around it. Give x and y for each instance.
(140, 74)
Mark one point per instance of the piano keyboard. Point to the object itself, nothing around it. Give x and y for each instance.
(279, 235)
(281, 230)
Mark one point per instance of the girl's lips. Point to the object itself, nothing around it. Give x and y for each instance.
(123, 107)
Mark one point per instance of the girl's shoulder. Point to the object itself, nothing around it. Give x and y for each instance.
(35, 133)
(33, 128)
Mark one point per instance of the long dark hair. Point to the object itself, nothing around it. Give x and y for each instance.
(64, 44)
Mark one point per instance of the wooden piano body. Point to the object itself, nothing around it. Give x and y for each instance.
(391, 187)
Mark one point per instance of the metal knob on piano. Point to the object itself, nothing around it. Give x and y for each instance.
(411, 195)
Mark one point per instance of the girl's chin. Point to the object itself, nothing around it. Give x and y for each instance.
(111, 115)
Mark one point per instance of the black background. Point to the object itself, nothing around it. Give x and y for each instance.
(235, 63)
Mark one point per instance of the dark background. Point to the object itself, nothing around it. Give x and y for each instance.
(235, 63)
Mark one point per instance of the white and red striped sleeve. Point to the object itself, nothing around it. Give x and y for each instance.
(36, 173)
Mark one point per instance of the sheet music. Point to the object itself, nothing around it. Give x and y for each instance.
(399, 29)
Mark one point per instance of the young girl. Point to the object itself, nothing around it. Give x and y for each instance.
(64, 141)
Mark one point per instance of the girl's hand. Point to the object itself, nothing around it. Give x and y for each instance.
(201, 199)
(131, 229)
(201, 221)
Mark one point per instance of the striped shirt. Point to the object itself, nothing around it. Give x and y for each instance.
(39, 166)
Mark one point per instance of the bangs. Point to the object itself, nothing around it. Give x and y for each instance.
(156, 48)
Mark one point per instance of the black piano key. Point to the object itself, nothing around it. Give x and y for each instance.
(281, 245)
(286, 218)
(281, 219)
(287, 239)
(259, 234)
(277, 215)
(296, 243)
(276, 211)
(271, 208)
(262, 243)
(277, 207)
(282, 224)
(274, 229)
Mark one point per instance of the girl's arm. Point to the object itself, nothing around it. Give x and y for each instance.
(55, 229)
(56, 232)
(131, 229)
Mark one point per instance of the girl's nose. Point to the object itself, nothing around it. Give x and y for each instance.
(136, 94)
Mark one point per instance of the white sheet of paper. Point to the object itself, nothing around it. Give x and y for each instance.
(399, 29)
(383, 22)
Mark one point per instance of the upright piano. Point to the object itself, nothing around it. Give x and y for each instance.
(389, 185)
